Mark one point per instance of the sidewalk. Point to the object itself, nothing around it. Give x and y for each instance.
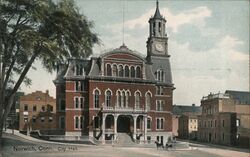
(200, 144)
(32, 139)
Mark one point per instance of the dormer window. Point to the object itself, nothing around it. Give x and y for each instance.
(79, 70)
(160, 75)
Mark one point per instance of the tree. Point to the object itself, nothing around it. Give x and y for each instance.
(38, 29)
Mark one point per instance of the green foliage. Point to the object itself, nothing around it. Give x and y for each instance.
(52, 31)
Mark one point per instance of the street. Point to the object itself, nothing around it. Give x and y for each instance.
(14, 146)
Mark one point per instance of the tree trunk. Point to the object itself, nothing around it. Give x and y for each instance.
(10, 98)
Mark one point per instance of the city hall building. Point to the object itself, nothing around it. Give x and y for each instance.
(119, 91)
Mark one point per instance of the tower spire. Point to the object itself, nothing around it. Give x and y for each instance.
(157, 11)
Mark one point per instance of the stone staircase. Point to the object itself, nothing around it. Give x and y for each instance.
(124, 139)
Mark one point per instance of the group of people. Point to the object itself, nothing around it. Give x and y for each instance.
(169, 144)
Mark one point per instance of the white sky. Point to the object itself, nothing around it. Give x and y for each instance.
(208, 42)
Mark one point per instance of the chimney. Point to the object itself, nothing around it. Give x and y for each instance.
(47, 92)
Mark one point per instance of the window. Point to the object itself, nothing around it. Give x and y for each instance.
(137, 100)
(138, 72)
(49, 108)
(223, 123)
(160, 75)
(119, 98)
(79, 86)
(126, 71)
(109, 72)
(159, 90)
(132, 70)
(96, 99)
(79, 70)
(120, 69)
(78, 122)
(114, 70)
(76, 102)
(43, 108)
(237, 122)
(127, 98)
(34, 108)
(108, 99)
(81, 102)
(25, 119)
(159, 123)
(62, 122)
(42, 119)
(34, 119)
(215, 123)
(148, 101)
(159, 105)
(123, 99)
(148, 123)
(223, 136)
(26, 108)
(50, 119)
(62, 105)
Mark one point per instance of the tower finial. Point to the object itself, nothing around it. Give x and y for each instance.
(157, 12)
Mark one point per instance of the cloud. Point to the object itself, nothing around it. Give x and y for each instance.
(194, 16)
(218, 69)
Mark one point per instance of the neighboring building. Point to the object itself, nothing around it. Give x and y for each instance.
(12, 120)
(37, 112)
(185, 121)
(225, 118)
(119, 91)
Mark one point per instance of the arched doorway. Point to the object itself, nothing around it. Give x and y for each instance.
(123, 123)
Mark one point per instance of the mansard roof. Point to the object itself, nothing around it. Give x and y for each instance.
(242, 96)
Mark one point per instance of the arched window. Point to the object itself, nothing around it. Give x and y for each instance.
(108, 98)
(132, 70)
(126, 71)
(97, 99)
(114, 70)
(127, 99)
(123, 99)
(137, 100)
(109, 72)
(120, 69)
(119, 98)
(138, 72)
(148, 101)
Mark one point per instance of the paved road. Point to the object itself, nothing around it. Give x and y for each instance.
(14, 146)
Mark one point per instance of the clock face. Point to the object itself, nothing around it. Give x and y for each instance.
(159, 47)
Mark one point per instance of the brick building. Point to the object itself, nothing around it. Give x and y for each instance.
(37, 112)
(185, 121)
(225, 118)
(119, 91)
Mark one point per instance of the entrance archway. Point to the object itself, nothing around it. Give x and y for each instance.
(123, 124)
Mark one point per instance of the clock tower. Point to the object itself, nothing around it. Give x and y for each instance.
(157, 44)
(157, 49)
